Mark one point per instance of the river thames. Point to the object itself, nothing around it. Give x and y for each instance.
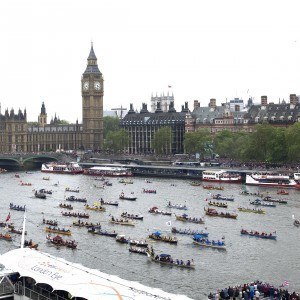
(246, 258)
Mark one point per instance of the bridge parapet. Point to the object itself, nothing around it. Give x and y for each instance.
(20, 160)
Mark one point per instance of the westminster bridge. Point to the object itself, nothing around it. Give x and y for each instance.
(19, 161)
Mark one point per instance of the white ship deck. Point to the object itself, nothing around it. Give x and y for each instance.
(78, 280)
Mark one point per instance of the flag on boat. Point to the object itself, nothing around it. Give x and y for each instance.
(169, 223)
(286, 283)
(8, 217)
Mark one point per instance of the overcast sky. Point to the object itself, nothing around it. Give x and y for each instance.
(203, 49)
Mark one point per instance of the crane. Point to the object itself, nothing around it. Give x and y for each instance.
(121, 109)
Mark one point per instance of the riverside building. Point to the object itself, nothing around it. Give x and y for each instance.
(234, 117)
(17, 135)
(142, 126)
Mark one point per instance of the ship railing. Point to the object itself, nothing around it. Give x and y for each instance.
(6, 287)
(36, 293)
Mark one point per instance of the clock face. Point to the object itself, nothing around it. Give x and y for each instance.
(86, 85)
(97, 85)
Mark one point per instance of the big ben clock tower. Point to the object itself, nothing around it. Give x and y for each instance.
(92, 104)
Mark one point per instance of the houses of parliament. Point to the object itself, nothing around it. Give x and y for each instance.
(17, 135)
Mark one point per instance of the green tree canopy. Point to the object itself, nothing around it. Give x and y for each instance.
(110, 124)
(162, 140)
(116, 140)
(292, 136)
(198, 142)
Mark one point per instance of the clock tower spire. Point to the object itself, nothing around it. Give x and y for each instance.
(92, 104)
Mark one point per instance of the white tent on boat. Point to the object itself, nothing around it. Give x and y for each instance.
(78, 280)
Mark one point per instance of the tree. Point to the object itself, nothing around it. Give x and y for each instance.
(110, 124)
(278, 146)
(116, 140)
(198, 142)
(224, 143)
(33, 123)
(162, 140)
(63, 122)
(260, 142)
(292, 136)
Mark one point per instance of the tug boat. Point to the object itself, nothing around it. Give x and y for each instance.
(57, 168)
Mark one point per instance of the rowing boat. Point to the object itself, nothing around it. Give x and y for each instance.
(250, 210)
(166, 259)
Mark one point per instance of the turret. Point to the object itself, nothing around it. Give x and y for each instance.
(42, 119)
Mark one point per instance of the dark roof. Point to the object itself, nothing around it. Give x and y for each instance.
(92, 54)
(208, 114)
(159, 118)
(92, 67)
(274, 112)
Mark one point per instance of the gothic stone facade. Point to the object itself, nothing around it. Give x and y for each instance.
(17, 135)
